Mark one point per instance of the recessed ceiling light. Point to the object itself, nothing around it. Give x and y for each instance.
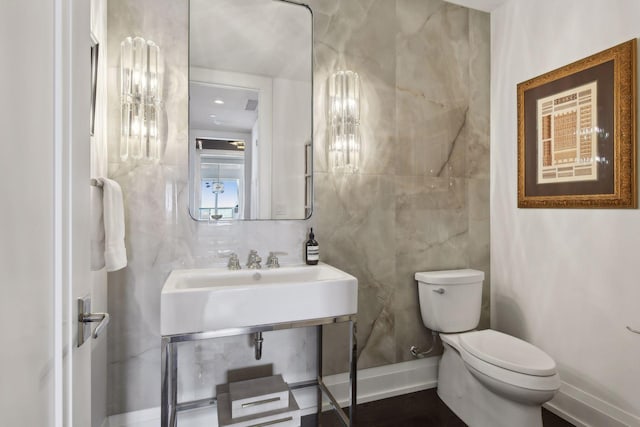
(218, 101)
(213, 116)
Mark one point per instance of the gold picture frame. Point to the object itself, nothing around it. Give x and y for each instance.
(577, 134)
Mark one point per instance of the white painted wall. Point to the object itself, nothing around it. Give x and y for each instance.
(565, 280)
(26, 224)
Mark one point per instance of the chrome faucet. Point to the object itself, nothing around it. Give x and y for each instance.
(272, 259)
(254, 260)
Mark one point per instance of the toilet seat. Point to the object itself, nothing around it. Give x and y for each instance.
(506, 359)
(508, 352)
(530, 382)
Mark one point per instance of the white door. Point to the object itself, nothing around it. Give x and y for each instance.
(29, 371)
(44, 87)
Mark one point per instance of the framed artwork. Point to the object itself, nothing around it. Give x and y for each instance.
(577, 134)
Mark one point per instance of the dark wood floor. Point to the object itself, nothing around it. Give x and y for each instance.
(421, 409)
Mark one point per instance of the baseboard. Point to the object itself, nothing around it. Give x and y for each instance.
(585, 410)
(140, 418)
(387, 381)
(373, 384)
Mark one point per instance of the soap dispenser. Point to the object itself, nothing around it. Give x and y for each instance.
(312, 250)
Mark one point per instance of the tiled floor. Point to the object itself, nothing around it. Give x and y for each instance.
(421, 409)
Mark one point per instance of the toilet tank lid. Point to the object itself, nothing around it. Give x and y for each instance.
(450, 277)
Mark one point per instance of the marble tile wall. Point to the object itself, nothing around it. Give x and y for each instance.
(420, 201)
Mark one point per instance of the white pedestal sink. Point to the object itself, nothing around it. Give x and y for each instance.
(211, 299)
(202, 304)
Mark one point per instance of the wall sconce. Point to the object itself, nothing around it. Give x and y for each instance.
(344, 121)
(140, 99)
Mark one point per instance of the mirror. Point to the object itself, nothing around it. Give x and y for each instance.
(250, 110)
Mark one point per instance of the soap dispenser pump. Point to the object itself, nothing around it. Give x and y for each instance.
(312, 250)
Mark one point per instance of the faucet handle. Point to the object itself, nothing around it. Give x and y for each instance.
(225, 253)
(234, 262)
(272, 259)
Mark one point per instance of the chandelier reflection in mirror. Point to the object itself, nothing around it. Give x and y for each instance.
(344, 121)
(140, 99)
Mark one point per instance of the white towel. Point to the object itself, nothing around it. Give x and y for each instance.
(97, 228)
(115, 253)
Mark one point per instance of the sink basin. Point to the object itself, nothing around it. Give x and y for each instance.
(211, 299)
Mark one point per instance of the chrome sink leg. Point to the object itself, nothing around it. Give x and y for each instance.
(257, 341)
(353, 374)
(169, 368)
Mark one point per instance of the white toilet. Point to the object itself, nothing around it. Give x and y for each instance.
(487, 378)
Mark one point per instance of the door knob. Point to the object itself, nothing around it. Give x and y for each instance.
(86, 318)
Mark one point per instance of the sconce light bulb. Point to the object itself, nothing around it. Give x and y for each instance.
(344, 120)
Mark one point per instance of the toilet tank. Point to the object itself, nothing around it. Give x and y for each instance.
(450, 300)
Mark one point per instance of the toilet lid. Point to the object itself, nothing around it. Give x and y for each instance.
(508, 352)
